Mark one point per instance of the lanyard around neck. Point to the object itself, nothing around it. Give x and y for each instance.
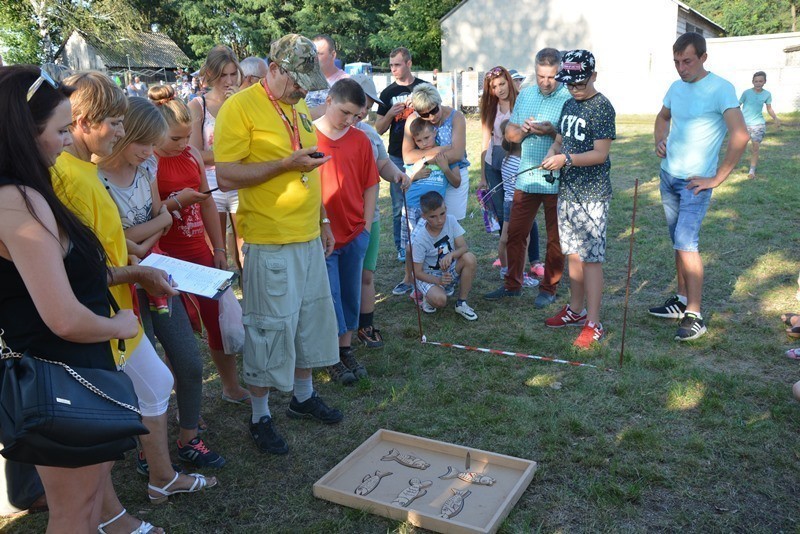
(292, 129)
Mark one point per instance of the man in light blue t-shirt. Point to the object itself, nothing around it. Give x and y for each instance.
(699, 109)
(753, 101)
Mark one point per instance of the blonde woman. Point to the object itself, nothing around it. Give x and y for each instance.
(222, 76)
(451, 138)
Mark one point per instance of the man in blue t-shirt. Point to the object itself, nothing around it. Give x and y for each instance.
(699, 109)
(752, 102)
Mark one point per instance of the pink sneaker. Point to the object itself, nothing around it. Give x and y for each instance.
(537, 270)
(497, 263)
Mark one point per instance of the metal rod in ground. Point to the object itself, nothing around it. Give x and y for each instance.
(630, 262)
(516, 354)
(417, 301)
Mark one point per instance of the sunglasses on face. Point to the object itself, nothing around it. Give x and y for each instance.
(43, 77)
(429, 113)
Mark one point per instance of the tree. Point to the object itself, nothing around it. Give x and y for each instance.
(41, 26)
(415, 25)
(349, 22)
(748, 17)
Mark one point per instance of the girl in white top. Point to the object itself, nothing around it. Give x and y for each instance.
(222, 76)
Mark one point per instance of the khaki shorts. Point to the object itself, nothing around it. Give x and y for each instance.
(288, 314)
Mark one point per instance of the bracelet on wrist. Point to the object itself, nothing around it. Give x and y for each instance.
(218, 249)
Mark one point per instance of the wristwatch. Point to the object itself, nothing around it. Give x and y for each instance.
(325, 220)
(567, 162)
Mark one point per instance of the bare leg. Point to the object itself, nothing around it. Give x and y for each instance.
(754, 148)
(501, 248)
(367, 291)
(346, 339)
(228, 374)
(466, 267)
(239, 256)
(74, 496)
(407, 278)
(223, 223)
(593, 288)
(111, 507)
(436, 297)
(681, 276)
(576, 283)
(692, 267)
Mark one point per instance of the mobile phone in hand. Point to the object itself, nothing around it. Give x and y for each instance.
(316, 155)
(209, 191)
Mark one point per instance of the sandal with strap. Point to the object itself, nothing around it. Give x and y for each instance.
(793, 332)
(793, 354)
(200, 483)
(143, 528)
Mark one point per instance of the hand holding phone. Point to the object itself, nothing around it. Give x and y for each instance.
(316, 155)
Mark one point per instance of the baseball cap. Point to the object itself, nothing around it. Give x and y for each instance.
(576, 66)
(367, 85)
(297, 55)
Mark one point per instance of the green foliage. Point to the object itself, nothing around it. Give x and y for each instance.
(748, 17)
(18, 33)
(415, 25)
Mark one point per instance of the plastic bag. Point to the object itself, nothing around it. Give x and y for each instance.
(487, 208)
(230, 323)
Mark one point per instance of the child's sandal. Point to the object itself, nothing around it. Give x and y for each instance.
(793, 354)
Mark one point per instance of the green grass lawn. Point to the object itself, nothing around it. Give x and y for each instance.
(699, 436)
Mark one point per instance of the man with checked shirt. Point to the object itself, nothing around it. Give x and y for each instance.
(536, 109)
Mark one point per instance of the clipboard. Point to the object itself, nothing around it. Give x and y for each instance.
(193, 278)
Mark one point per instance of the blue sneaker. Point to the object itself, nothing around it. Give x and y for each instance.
(197, 452)
(401, 255)
(402, 288)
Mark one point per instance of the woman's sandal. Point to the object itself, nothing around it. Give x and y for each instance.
(143, 528)
(793, 354)
(787, 318)
(199, 484)
(793, 332)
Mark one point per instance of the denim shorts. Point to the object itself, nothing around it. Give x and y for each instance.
(684, 210)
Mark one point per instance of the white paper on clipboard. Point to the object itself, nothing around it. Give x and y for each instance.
(192, 278)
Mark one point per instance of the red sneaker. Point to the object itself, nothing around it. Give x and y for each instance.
(590, 334)
(566, 317)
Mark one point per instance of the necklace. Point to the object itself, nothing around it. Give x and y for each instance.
(292, 129)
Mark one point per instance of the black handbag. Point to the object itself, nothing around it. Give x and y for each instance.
(55, 415)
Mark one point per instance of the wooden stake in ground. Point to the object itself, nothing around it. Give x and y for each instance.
(630, 261)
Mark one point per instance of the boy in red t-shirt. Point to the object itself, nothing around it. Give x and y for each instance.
(349, 192)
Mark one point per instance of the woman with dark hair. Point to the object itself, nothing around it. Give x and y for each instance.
(53, 274)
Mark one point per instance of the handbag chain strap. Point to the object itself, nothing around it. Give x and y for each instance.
(6, 353)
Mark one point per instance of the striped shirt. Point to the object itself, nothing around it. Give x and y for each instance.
(532, 103)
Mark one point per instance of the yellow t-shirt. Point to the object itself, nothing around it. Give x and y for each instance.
(78, 186)
(248, 130)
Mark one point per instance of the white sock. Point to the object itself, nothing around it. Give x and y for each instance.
(683, 299)
(260, 406)
(303, 389)
(752, 170)
(697, 313)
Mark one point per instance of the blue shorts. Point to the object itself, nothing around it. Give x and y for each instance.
(344, 274)
(684, 211)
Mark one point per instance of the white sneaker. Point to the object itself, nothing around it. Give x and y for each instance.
(466, 312)
(529, 281)
(427, 308)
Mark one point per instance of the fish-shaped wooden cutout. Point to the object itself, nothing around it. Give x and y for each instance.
(414, 491)
(454, 504)
(370, 482)
(408, 460)
(468, 476)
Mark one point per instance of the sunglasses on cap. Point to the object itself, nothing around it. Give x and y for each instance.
(429, 113)
(43, 77)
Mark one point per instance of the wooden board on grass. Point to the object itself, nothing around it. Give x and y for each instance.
(484, 509)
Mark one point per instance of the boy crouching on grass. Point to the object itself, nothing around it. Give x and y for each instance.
(349, 192)
(580, 150)
(442, 258)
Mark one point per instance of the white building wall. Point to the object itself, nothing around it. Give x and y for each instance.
(631, 41)
(737, 58)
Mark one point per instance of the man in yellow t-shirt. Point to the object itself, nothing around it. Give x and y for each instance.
(264, 143)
